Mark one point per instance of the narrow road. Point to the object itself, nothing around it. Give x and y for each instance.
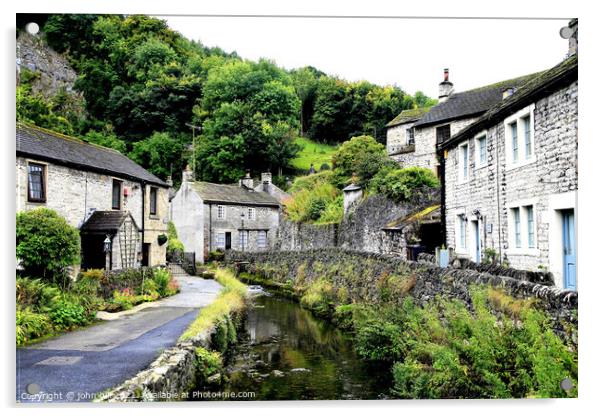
(73, 366)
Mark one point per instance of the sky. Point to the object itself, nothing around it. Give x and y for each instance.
(409, 53)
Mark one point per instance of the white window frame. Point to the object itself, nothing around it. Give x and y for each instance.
(477, 145)
(524, 248)
(220, 239)
(518, 118)
(243, 236)
(461, 226)
(263, 241)
(461, 168)
(251, 214)
(221, 212)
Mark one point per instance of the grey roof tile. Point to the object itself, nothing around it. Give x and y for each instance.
(470, 103)
(232, 194)
(47, 145)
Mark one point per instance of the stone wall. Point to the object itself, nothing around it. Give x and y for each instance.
(360, 272)
(361, 229)
(547, 181)
(170, 377)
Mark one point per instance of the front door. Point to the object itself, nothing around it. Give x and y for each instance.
(228, 240)
(476, 249)
(569, 249)
(145, 254)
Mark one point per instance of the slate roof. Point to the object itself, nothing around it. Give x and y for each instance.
(407, 116)
(352, 187)
(232, 194)
(39, 143)
(539, 86)
(472, 102)
(105, 221)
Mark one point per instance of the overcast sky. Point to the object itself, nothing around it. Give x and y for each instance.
(410, 53)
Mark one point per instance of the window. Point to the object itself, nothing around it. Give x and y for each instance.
(463, 162)
(514, 135)
(221, 240)
(482, 148)
(410, 136)
(530, 226)
(527, 133)
(244, 239)
(443, 133)
(221, 212)
(262, 237)
(520, 138)
(153, 201)
(251, 214)
(461, 231)
(116, 194)
(516, 218)
(36, 187)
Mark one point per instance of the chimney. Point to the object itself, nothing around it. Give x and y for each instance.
(573, 39)
(266, 180)
(247, 181)
(445, 87)
(169, 181)
(187, 174)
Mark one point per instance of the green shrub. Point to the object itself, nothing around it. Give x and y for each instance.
(31, 325)
(309, 204)
(66, 314)
(400, 184)
(319, 297)
(36, 293)
(161, 278)
(46, 244)
(208, 363)
(217, 255)
(123, 299)
(352, 154)
(453, 353)
(173, 243)
(379, 341)
(89, 282)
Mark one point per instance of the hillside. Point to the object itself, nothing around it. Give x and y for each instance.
(312, 152)
(143, 85)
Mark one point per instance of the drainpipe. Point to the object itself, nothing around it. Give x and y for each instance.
(210, 228)
(143, 185)
(442, 179)
(499, 214)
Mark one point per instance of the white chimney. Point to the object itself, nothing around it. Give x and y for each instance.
(187, 174)
(445, 88)
(247, 181)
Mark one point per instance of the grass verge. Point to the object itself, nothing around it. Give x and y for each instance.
(230, 300)
(312, 152)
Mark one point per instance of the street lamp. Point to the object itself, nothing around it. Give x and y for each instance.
(107, 250)
(242, 231)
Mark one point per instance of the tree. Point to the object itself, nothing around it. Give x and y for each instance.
(161, 154)
(105, 139)
(46, 243)
(352, 155)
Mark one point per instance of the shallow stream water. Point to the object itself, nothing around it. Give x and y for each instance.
(287, 353)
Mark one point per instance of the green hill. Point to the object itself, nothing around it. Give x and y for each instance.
(312, 152)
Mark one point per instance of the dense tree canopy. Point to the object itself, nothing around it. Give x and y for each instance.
(143, 83)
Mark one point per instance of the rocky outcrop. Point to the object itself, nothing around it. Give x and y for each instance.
(55, 73)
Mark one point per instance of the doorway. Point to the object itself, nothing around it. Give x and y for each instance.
(569, 249)
(228, 240)
(146, 254)
(476, 241)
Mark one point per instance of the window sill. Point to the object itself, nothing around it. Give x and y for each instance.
(523, 252)
(36, 202)
(520, 164)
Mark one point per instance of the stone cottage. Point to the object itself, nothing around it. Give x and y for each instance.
(401, 145)
(413, 135)
(210, 216)
(510, 184)
(99, 191)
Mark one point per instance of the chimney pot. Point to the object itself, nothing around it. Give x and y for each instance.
(445, 87)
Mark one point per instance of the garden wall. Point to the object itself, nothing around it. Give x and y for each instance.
(361, 229)
(362, 275)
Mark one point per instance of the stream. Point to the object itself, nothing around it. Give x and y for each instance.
(287, 353)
